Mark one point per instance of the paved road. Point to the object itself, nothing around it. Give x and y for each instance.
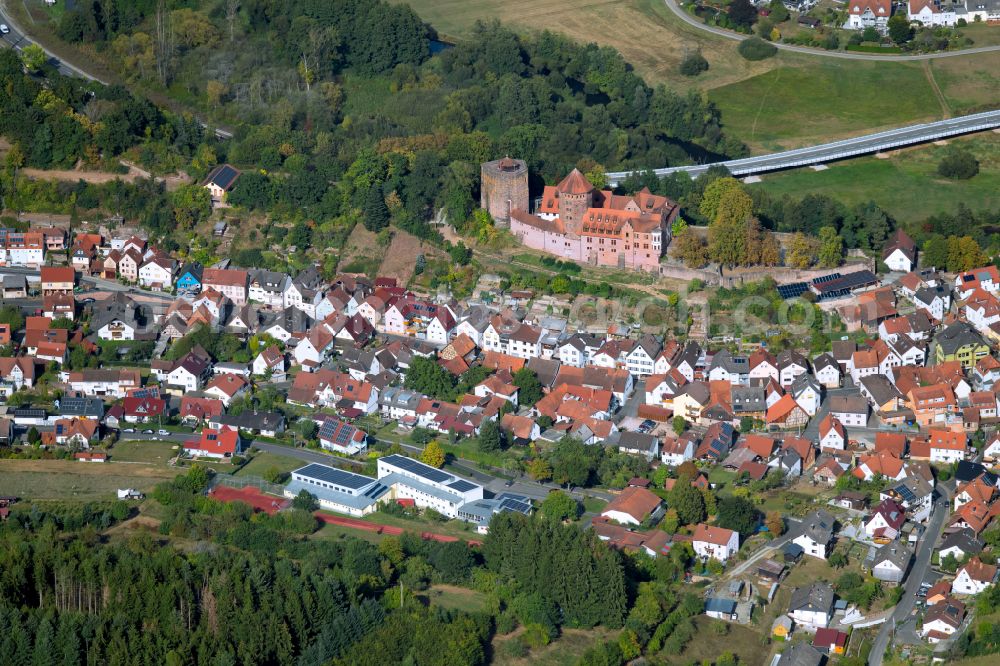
(17, 39)
(99, 283)
(842, 55)
(915, 577)
(837, 150)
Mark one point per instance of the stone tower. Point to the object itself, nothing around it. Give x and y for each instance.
(504, 188)
(576, 195)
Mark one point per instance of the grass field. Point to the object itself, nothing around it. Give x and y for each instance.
(452, 597)
(891, 182)
(795, 106)
(264, 460)
(706, 646)
(154, 453)
(564, 651)
(66, 480)
(455, 528)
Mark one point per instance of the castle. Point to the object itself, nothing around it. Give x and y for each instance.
(576, 221)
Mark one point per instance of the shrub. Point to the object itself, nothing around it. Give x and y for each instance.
(756, 48)
(693, 64)
(959, 165)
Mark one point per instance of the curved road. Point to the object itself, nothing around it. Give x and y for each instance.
(843, 55)
(17, 39)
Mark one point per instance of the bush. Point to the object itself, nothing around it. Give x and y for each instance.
(693, 64)
(959, 165)
(756, 48)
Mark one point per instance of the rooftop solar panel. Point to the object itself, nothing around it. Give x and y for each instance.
(333, 475)
(462, 486)
(826, 278)
(793, 290)
(418, 468)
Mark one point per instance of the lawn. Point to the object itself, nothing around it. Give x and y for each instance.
(71, 480)
(706, 646)
(565, 651)
(264, 461)
(891, 182)
(455, 528)
(143, 451)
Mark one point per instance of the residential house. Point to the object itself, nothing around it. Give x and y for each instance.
(76, 432)
(226, 387)
(189, 279)
(959, 342)
(827, 371)
(900, 252)
(634, 506)
(816, 535)
(712, 542)
(143, 410)
(935, 301)
(947, 446)
(157, 272)
(943, 619)
(341, 437)
(195, 410)
(973, 577)
(850, 410)
(885, 521)
(230, 282)
(960, 545)
(791, 364)
(675, 451)
(914, 493)
(57, 279)
(889, 563)
(268, 424)
(812, 606)
(219, 444)
(270, 362)
(268, 288)
(832, 434)
(220, 181)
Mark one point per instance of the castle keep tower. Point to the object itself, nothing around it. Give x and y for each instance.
(576, 195)
(504, 187)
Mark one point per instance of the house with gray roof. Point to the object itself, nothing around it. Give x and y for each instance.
(890, 563)
(812, 606)
(816, 537)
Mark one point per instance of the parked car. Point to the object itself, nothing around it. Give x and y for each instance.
(147, 432)
(129, 430)
(161, 431)
(4, 29)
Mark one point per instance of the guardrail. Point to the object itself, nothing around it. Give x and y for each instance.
(836, 150)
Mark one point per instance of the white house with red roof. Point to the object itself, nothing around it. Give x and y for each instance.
(868, 14)
(719, 543)
(986, 278)
(931, 12)
(221, 444)
(226, 387)
(831, 433)
(974, 577)
(633, 506)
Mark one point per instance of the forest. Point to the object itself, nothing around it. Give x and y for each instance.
(217, 584)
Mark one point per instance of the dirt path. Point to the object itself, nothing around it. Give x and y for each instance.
(100, 177)
(929, 73)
